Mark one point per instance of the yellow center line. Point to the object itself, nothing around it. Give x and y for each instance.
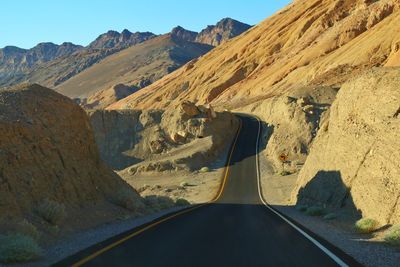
(122, 240)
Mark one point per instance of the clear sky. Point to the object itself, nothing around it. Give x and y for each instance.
(24, 23)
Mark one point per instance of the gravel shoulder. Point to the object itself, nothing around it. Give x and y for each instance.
(369, 250)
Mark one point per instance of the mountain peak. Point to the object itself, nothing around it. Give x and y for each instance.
(182, 33)
(224, 30)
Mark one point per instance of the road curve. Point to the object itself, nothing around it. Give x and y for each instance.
(238, 229)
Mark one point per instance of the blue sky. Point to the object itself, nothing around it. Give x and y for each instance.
(25, 23)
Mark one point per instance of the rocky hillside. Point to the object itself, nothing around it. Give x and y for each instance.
(214, 35)
(224, 30)
(355, 160)
(15, 62)
(116, 40)
(134, 67)
(54, 72)
(50, 165)
(318, 42)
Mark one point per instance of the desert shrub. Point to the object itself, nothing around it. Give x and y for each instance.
(184, 184)
(205, 169)
(157, 203)
(393, 236)
(17, 247)
(366, 225)
(301, 208)
(129, 200)
(330, 216)
(53, 229)
(315, 211)
(284, 173)
(182, 202)
(27, 228)
(51, 211)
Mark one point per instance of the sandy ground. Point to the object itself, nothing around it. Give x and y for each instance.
(366, 249)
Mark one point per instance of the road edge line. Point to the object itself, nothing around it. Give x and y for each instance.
(335, 258)
(173, 215)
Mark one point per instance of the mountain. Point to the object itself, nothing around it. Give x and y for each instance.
(319, 42)
(134, 67)
(65, 65)
(116, 40)
(16, 61)
(224, 30)
(214, 35)
(181, 33)
(17, 65)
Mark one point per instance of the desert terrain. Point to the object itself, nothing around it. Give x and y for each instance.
(297, 117)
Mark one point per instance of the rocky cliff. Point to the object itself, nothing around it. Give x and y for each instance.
(48, 153)
(355, 160)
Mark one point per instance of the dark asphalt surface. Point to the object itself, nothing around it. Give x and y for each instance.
(237, 230)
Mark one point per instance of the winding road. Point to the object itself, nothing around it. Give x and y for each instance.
(237, 229)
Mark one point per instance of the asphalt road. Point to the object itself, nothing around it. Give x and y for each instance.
(235, 230)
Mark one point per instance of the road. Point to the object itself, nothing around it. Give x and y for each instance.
(235, 230)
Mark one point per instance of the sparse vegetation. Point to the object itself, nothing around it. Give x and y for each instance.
(182, 202)
(158, 203)
(204, 169)
(392, 237)
(301, 208)
(51, 211)
(27, 228)
(127, 199)
(366, 225)
(315, 211)
(330, 216)
(284, 173)
(17, 247)
(184, 184)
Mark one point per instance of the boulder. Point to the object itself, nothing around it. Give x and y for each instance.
(190, 109)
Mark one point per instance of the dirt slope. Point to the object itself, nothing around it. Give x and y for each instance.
(140, 64)
(307, 43)
(48, 151)
(355, 159)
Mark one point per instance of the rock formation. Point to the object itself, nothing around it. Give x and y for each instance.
(48, 152)
(355, 159)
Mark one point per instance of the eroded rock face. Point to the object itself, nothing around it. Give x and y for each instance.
(355, 159)
(48, 151)
(155, 140)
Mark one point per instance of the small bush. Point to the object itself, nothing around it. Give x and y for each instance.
(157, 203)
(330, 216)
(27, 228)
(366, 225)
(393, 236)
(315, 211)
(284, 173)
(182, 202)
(184, 184)
(129, 200)
(301, 208)
(51, 211)
(16, 247)
(204, 169)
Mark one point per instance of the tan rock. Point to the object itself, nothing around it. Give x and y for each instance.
(189, 108)
(355, 160)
